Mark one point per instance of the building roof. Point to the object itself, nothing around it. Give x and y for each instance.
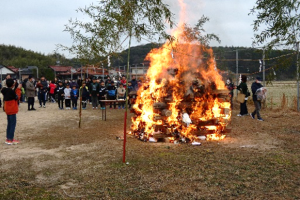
(61, 68)
(12, 68)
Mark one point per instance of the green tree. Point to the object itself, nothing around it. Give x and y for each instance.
(281, 19)
(113, 20)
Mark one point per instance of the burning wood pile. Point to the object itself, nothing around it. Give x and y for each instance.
(184, 98)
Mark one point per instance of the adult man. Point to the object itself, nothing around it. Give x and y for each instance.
(30, 92)
(254, 87)
(94, 92)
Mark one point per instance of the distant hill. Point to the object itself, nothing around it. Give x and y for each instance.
(284, 67)
(20, 58)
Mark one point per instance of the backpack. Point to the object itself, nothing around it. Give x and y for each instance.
(111, 92)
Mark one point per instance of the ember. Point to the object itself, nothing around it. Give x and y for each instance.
(183, 97)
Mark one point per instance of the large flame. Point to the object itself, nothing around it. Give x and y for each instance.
(184, 76)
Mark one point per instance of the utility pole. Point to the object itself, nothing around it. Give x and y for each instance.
(264, 67)
(298, 76)
(237, 69)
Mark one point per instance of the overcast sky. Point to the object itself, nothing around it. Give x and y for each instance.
(38, 24)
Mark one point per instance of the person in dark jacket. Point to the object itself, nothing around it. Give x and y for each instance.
(11, 96)
(74, 83)
(134, 84)
(94, 92)
(84, 94)
(112, 94)
(244, 90)
(102, 93)
(60, 95)
(257, 103)
(230, 86)
(42, 95)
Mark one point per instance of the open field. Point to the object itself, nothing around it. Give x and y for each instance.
(56, 160)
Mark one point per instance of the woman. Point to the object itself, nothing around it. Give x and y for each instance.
(244, 90)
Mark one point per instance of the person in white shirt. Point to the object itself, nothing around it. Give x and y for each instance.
(67, 94)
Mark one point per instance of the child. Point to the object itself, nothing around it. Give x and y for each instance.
(67, 94)
(22, 94)
(11, 97)
(52, 87)
(60, 95)
(74, 97)
(111, 93)
(84, 94)
(102, 93)
(121, 91)
(42, 95)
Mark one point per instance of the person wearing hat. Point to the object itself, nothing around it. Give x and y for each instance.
(257, 103)
(243, 88)
(30, 92)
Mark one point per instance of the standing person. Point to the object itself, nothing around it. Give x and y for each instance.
(130, 88)
(121, 91)
(230, 87)
(74, 97)
(60, 95)
(94, 92)
(111, 94)
(257, 103)
(79, 82)
(134, 84)
(67, 94)
(123, 81)
(30, 92)
(84, 94)
(42, 96)
(0, 97)
(107, 80)
(102, 93)
(73, 83)
(11, 96)
(52, 87)
(45, 86)
(22, 94)
(244, 90)
(4, 81)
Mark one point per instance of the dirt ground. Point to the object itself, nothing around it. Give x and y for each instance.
(56, 160)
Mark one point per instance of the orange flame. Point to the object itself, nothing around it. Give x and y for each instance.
(174, 70)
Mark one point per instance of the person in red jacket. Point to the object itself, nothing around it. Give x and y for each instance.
(52, 87)
(11, 96)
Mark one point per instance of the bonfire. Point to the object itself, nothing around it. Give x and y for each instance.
(184, 98)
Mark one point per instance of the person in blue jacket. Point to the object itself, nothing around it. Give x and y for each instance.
(74, 97)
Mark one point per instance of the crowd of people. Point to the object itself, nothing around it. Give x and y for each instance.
(244, 91)
(66, 93)
(93, 91)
